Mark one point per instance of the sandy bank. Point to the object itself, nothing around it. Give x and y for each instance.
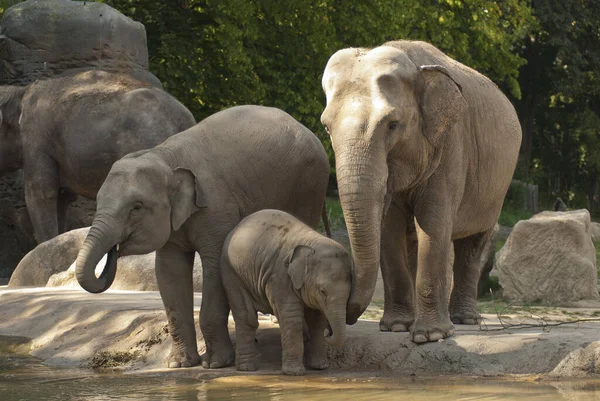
(69, 327)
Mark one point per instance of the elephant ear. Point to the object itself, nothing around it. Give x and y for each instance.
(187, 197)
(442, 104)
(297, 264)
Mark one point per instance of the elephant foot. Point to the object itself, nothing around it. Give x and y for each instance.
(317, 362)
(422, 332)
(247, 366)
(465, 316)
(223, 356)
(179, 359)
(396, 322)
(293, 369)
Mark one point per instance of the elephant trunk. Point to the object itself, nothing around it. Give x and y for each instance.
(97, 244)
(337, 322)
(362, 184)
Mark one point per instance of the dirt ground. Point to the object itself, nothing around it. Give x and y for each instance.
(127, 330)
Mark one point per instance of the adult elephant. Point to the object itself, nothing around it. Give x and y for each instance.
(67, 132)
(425, 149)
(186, 195)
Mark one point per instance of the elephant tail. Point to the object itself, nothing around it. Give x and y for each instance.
(325, 220)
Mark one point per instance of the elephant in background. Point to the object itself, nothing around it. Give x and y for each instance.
(274, 263)
(65, 133)
(425, 149)
(186, 195)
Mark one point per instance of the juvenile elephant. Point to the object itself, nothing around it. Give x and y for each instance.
(274, 263)
(67, 132)
(186, 195)
(425, 149)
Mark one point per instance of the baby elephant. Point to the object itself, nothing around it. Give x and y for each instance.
(274, 263)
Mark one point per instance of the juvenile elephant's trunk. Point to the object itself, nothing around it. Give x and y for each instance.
(362, 183)
(96, 245)
(337, 321)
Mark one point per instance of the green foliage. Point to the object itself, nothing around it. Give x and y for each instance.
(560, 112)
(216, 54)
(213, 54)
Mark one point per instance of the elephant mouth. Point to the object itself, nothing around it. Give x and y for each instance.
(328, 332)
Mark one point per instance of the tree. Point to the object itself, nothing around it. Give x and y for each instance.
(560, 107)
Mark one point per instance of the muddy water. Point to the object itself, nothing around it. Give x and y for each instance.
(27, 379)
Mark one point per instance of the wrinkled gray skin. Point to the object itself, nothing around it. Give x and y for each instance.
(425, 149)
(274, 263)
(67, 132)
(186, 195)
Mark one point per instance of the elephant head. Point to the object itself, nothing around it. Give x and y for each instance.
(140, 203)
(11, 153)
(387, 118)
(322, 275)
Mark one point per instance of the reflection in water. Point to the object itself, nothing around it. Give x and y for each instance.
(27, 379)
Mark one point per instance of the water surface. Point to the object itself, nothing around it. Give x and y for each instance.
(24, 378)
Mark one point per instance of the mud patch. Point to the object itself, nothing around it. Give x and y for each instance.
(113, 359)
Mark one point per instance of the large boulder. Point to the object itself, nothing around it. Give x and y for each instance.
(16, 232)
(551, 259)
(41, 39)
(134, 272)
(52, 264)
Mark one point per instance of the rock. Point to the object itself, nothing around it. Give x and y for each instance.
(48, 258)
(582, 362)
(549, 258)
(41, 39)
(595, 231)
(16, 232)
(134, 273)
(52, 264)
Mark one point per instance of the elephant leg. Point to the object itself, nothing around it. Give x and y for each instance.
(41, 194)
(214, 314)
(174, 277)
(432, 321)
(398, 309)
(291, 317)
(246, 321)
(65, 198)
(467, 266)
(316, 350)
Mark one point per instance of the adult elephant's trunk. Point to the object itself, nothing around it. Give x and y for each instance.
(99, 241)
(337, 321)
(362, 183)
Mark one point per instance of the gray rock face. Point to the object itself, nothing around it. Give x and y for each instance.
(549, 258)
(48, 258)
(16, 232)
(52, 264)
(41, 39)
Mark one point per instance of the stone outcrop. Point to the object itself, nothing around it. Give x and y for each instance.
(51, 264)
(134, 273)
(549, 258)
(48, 258)
(41, 39)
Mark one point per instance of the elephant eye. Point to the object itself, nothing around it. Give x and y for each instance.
(137, 206)
(323, 292)
(392, 126)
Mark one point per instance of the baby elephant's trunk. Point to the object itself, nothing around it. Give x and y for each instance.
(337, 322)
